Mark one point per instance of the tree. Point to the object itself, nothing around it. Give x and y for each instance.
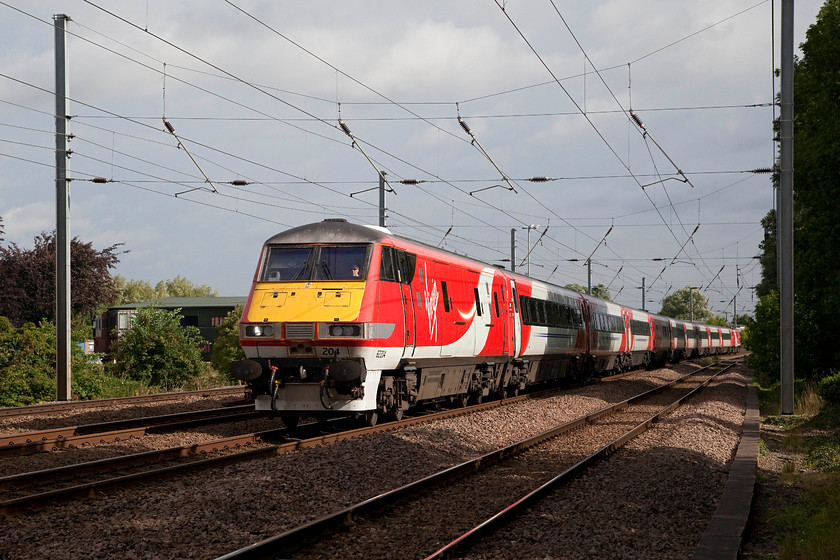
(158, 350)
(769, 272)
(226, 348)
(1, 228)
(718, 320)
(133, 291)
(599, 291)
(679, 304)
(27, 279)
(816, 216)
(181, 287)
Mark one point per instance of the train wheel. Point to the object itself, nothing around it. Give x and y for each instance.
(291, 422)
(462, 400)
(396, 414)
(370, 418)
(477, 398)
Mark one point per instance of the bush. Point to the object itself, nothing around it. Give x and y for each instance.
(829, 388)
(156, 349)
(226, 348)
(27, 366)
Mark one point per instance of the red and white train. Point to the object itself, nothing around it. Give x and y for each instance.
(351, 319)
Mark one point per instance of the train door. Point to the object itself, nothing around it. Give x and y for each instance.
(483, 312)
(500, 316)
(516, 332)
(407, 263)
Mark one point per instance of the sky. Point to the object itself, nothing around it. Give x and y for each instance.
(256, 93)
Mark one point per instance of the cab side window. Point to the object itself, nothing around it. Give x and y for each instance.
(387, 268)
(407, 263)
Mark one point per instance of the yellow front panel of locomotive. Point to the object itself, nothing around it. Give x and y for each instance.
(289, 302)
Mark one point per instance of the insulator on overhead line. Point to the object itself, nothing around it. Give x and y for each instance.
(638, 120)
(345, 128)
(410, 182)
(465, 127)
(168, 126)
(99, 180)
(239, 182)
(763, 170)
(539, 179)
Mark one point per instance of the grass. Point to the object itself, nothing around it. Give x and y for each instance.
(810, 525)
(807, 526)
(114, 387)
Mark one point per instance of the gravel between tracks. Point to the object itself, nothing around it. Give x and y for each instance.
(206, 514)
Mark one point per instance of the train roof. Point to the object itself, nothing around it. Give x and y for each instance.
(332, 231)
(339, 230)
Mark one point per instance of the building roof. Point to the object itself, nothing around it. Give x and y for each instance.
(185, 302)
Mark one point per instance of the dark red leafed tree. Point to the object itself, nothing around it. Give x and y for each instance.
(27, 279)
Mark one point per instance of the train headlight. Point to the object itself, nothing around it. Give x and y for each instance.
(265, 331)
(345, 330)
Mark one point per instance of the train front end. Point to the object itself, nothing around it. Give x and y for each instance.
(308, 327)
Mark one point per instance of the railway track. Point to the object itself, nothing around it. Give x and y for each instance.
(38, 489)
(516, 479)
(51, 408)
(118, 430)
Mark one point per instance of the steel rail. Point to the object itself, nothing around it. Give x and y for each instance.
(289, 540)
(506, 514)
(46, 408)
(117, 430)
(17, 505)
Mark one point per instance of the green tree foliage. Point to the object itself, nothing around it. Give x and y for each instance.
(599, 291)
(679, 304)
(817, 187)
(226, 348)
(762, 337)
(156, 349)
(133, 291)
(181, 287)
(816, 213)
(27, 365)
(829, 388)
(27, 279)
(718, 320)
(769, 277)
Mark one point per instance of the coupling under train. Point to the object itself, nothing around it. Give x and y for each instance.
(347, 319)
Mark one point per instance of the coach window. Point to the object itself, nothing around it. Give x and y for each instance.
(445, 295)
(496, 302)
(477, 302)
(525, 310)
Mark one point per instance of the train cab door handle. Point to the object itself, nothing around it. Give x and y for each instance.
(460, 322)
